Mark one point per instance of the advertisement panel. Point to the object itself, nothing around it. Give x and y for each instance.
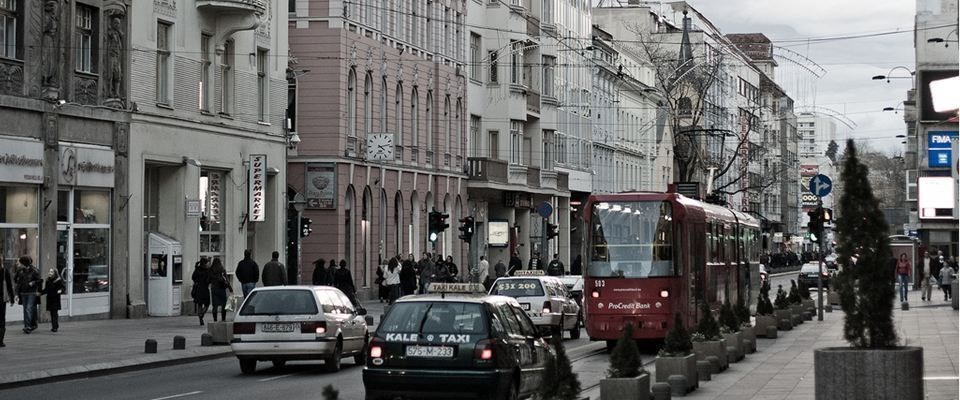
(320, 186)
(498, 233)
(937, 197)
(258, 187)
(938, 148)
(808, 170)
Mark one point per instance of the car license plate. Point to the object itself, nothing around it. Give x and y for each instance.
(430, 351)
(525, 306)
(276, 327)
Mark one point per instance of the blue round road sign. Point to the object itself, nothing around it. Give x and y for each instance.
(821, 185)
(545, 209)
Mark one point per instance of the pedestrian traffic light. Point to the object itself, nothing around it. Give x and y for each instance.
(436, 223)
(815, 226)
(305, 228)
(293, 229)
(553, 231)
(466, 228)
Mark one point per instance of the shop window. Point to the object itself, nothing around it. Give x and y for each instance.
(18, 205)
(19, 233)
(91, 267)
(211, 221)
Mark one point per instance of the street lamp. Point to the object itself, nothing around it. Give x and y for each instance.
(945, 40)
(895, 109)
(888, 76)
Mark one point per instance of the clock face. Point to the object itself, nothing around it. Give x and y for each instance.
(379, 146)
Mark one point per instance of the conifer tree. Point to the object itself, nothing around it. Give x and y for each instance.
(781, 301)
(728, 318)
(625, 358)
(794, 296)
(329, 393)
(677, 343)
(764, 307)
(708, 326)
(866, 287)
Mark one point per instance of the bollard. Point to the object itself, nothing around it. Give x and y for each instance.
(904, 306)
(704, 370)
(732, 355)
(807, 316)
(150, 346)
(714, 364)
(661, 391)
(179, 343)
(678, 385)
(368, 319)
(771, 332)
(206, 339)
(785, 325)
(828, 308)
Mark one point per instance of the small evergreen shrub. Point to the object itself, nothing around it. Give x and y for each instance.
(329, 393)
(781, 301)
(743, 313)
(678, 342)
(728, 318)
(794, 296)
(708, 326)
(625, 358)
(764, 306)
(559, 380)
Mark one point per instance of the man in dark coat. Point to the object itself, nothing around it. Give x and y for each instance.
(319, 276)
(516, 263)
(28, 284)
(53, 287)
(7, 295)
(343, 280)
(248, 273)
(535, 262)
(408, 277)
(427, 270)
(556, 266)
(274, 274)
(499, 270)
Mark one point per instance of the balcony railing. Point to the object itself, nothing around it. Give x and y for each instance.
(487, 170)
(446, 159)
(533, 26)
(351, 150)
(517, 174)
(398, 153)
(533, 101)
(254, 6)
(414, 154)
(533, 177)
(429, 159)
(548, 179)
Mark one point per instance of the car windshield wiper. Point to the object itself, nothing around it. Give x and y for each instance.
(424, 320)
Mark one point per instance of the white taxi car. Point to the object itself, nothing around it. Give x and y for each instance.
(545, 299)
(280, 323)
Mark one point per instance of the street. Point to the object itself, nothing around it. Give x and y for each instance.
(221, 379)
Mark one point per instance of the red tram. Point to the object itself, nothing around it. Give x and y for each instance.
(655, 254)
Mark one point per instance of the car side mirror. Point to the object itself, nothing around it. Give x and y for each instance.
(361, 311)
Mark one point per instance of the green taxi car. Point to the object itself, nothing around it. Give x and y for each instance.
(455, 345)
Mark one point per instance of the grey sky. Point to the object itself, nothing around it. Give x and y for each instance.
(846, 87)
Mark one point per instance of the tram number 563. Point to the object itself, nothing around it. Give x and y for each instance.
(601, 283)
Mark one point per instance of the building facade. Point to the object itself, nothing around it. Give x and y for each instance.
(379, 94)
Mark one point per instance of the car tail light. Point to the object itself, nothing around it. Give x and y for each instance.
(376, 348)
(595, 294)
(244, 328)
(546, 307)
(484, 350)
(825, 273)
(316, 327)
(664, 293)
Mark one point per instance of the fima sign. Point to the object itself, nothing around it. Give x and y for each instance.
(938, 148)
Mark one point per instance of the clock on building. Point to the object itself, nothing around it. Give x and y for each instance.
(379, 146)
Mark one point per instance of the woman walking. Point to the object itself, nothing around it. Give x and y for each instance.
(391, 277)
(52, 288)
(201, 288)
(219, 285)
(331, 273)
(408, 277)
(343, 280)
(903, 275)
(319, 276)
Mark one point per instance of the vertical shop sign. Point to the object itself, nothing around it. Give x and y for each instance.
(213, 197)
(258, 180)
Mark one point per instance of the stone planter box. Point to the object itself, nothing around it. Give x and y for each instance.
(749, 338)
(221, 332)
(849, 373)
(761, 323)
(796, 311)
(833, 297)
(783, 314)
(809, 305)
(955, 287)
(686, 366)
(712, 348)
(735, 341)
(626, 388)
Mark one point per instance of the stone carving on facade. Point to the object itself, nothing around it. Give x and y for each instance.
(416, 74)
(266, 21)
(116, 13)
(383, 62)
(165, 7)
(11, 79)
(50, 43)
(353, 55)
(370, 59)
(399, 71)
(121, 138)
(85, 90)
(430, 78)
(50, 131)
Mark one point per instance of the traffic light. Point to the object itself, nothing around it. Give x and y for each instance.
(815, 226)
(305, 228)
(466, 228)
(827, 216)
(293, 229)
(437, 223)
(553, 231)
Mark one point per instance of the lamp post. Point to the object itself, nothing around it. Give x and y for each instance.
(889, 74)
(946, 39)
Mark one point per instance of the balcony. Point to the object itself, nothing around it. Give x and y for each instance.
(486, 170)
(533, 101)
(517, 175)
(233, 6)
(533, 177)
(533, 26)
(548, 179)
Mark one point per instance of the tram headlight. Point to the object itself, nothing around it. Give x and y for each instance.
(595, 294)
(664, 293)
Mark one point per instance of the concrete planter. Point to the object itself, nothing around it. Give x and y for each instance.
(809, 305)
(626, 388)
(734, 342)
(796, 312)
(715, 348)
(749, 338)
(833, 297)
(686, 366)
(955, 287)
(761, 323)
(783, 315)
(849, 373)
(221, 332)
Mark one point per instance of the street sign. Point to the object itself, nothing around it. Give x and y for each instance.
(821, 185)
(545, 209)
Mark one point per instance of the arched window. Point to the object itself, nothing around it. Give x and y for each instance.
(460, 140)
(429, 115)
(368, 103)
(352, 103)
(684, 106)
(447, 120)
(414, 118)
(384, 112)
(398, 221)
(399, 126)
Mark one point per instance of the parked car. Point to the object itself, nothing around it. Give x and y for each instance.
(545, 299)
(281, 323)
(808, 274)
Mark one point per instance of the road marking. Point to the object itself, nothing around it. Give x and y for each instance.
(179, 395)
(941, 378)
(273, 378)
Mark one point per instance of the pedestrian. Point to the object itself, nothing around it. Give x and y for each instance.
(331, 272)
(7, 296)
(500, 270)
(274, 274)
(248, 273)
(201, 288)
(442, 271)
(453, 270)
(427, 270)
(319, 277)
(28, 288)
(483, 270)
(383, 292)
(408, 277)
(53, 287)
(556, 266)
(343, 280)
(947, 275)
(219, 285)
(925, 288)
(576, 268)
(391, 278)
(516, 263)
(903, 275)
(535, 262)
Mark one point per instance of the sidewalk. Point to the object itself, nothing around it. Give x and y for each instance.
(86, 348)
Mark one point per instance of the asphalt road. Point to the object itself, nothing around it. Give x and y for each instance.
(221, 379)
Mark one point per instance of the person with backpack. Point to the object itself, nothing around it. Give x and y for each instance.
(201, 288)
(219, 285)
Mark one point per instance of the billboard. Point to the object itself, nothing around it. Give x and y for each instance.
(938, 148)
(937, 197)
(809, 170)
(925, 100)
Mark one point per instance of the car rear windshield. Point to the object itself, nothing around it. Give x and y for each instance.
(518, 288)
(280, 302)
(434, 317)
(810, 269)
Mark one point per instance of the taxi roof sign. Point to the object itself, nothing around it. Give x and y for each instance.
(528, 272)
(465, 288)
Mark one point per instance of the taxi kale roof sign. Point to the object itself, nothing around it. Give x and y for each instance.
(463, 288)
(528, 272)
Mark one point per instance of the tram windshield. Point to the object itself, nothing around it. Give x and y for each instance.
(631, 240)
